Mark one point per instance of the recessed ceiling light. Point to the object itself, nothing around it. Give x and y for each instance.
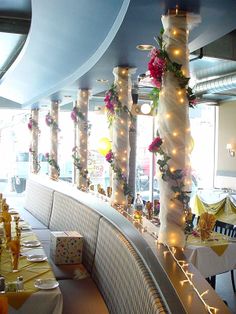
(144, 47)
(101, 81)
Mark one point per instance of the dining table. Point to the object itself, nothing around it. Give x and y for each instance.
(41, 293)
(213, 256)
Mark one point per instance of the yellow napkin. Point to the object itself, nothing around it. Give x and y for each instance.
(219, 249)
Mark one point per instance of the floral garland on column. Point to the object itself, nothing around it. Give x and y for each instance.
(77, 164)
(77, 116)
(176, 176)
(51, 122)
(159, 64)
(35, 160)
(52, 162)
(114, 106)
(119, 174)
(32, 124)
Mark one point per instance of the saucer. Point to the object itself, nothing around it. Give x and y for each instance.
(46, 284)
(36, 258)
(31, 243)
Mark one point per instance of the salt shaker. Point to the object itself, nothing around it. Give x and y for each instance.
(2, 284)
(20, 283)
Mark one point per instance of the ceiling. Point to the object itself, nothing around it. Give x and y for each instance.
(50, 49)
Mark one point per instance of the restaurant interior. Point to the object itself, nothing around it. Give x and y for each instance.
(118, 156)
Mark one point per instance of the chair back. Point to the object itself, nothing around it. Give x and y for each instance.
(225, 228)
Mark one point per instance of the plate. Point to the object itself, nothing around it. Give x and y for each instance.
(36, 258)
(31, 243)
(25, 228)
(46, 284)
(13, 212)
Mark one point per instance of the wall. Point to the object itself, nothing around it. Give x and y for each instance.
(225, 164)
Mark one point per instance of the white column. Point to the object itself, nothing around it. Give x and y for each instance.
(54, 174)
(120, 136)
(82, 139)
(174, 129)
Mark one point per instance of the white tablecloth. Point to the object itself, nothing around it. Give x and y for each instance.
(208, 262)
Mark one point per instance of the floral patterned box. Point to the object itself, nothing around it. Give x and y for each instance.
(66, 247)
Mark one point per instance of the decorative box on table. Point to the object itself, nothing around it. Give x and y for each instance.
(66, 247)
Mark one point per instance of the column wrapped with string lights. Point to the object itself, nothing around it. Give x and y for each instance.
(174, 130)
(120, 135)
(82, 129)
(33, 126)
(54, 129)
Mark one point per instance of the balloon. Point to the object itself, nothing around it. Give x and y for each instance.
(104, 146)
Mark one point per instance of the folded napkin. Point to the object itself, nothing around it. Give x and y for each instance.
(205, 225)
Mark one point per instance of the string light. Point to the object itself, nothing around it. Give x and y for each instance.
(177, 52)
(188, 275)
(167, 116)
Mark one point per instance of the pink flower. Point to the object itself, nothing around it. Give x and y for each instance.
(155, 145)
(109, 156)
(156, 67)
(73, 115)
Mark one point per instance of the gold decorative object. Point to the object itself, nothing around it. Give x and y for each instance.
(14, 246)
(205, 225)
(149, 209)
(109, 191)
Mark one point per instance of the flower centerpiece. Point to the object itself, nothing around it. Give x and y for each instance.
(121, 177)
(52, 162)
(51, 122)
(160, 63)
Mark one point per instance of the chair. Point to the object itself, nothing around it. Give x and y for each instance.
(230, 231)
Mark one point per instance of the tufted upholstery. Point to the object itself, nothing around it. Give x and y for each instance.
(38, 201)
(70, 214)
(121, 276)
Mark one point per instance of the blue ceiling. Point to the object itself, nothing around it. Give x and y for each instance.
(73, 43)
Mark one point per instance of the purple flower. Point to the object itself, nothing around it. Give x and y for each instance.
(47, 155)
(109, 156)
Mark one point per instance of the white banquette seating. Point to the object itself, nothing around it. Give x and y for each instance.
(124, 276)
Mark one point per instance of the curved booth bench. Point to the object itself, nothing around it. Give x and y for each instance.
(124, 275)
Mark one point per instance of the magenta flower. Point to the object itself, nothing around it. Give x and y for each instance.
(155, 145)
(109, 156)
(156, 66)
